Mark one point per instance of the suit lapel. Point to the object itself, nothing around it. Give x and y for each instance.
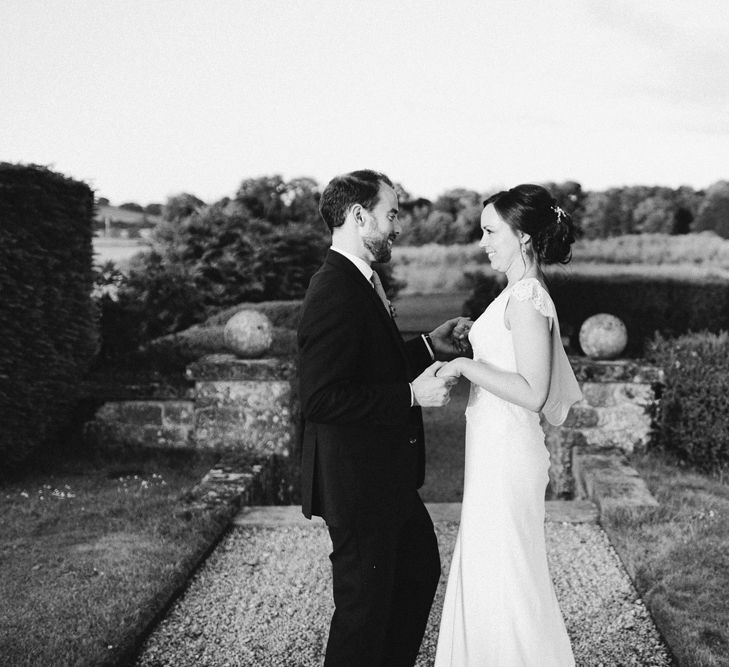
(342, 264)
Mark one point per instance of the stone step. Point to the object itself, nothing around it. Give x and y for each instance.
(560, 511)
(611, 482)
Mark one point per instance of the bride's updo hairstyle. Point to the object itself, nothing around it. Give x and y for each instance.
(531, 209)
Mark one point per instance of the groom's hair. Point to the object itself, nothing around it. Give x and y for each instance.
(357, 187)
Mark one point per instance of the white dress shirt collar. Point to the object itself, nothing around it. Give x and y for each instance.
(363, 266)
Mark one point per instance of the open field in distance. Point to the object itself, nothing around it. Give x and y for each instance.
(433, 268)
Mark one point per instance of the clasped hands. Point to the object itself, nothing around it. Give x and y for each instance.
(449, 340)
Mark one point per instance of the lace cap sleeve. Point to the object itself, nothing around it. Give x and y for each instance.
(531, 290)
(564, 389)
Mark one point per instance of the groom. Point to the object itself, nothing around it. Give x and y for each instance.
(363, 454)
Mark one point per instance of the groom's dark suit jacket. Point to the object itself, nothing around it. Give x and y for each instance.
(363, 454)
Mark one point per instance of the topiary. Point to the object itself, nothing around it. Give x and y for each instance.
(693, 413)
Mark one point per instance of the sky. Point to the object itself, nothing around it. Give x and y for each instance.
(144, 99)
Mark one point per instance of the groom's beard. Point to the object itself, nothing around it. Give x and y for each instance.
(380, 248)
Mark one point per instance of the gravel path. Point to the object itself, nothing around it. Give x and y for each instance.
(263, 598)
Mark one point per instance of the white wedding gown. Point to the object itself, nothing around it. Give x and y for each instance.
(500, 609)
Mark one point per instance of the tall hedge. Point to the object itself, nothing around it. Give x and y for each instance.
(47, 319)
(646, 304)
(693, 415)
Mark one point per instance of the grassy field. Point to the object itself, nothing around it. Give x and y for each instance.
(678, 557)
(431, 269)
(704, 249)
(424, 312)
(445, 432)
(89, 553)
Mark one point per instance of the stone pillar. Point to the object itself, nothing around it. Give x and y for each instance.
(615, 415)
(245, 405)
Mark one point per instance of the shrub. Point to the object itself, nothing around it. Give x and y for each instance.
(693, 416)
(210, 261)
(645, 303)
(47, 318)
(216, 258)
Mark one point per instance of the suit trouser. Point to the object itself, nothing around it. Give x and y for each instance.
(385, 577)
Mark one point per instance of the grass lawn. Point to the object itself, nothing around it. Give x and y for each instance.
(424, 312)
(89, 552)
(445, 432)
(678, 557)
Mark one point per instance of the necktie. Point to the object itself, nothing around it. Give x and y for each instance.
(377, 284)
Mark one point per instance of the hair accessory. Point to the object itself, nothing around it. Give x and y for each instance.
(560, 213)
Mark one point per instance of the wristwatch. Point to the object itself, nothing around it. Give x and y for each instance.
(429, 343)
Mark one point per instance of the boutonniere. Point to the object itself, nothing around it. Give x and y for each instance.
(393, 312)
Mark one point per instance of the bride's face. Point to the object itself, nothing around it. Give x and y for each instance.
(499, 240)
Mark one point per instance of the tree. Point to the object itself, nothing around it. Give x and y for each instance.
(602, 215)
(216, 257)
(655, 213)
(153, 209)
(402, 194)
(713, 214)
(302, 201)
(453, 201)
(687, 206)
(467, 227)
(280, 202)
(264, 198)
(437, 228)
(132, 206)
(181, 206)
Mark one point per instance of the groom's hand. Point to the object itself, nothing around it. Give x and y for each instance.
(451, 338)
(430, 391)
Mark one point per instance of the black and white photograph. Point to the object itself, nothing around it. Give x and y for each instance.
(364, 334)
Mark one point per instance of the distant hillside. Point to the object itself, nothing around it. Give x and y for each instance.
(115, 222)
(116, 214)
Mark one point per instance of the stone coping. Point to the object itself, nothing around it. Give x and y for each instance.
(228, 367)
(237, 479)
(615, 370)
(113, 386)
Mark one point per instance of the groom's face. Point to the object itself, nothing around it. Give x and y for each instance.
(381, 226)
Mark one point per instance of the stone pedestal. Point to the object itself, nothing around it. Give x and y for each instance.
(245, 404)
(615, 415)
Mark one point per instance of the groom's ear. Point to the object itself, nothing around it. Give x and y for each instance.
(357, 213)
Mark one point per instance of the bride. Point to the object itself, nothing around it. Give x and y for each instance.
(500, 609)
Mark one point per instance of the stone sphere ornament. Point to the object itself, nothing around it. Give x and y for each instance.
(248, 334)
(603, 336)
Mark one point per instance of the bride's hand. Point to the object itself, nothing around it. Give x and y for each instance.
(460, 334)
(451, 338)
(451, 369)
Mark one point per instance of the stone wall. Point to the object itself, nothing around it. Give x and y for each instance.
(241, 405)
(615, 415)
(150, 423)
(250, 407)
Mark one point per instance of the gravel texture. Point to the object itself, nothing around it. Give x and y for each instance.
(263, 598)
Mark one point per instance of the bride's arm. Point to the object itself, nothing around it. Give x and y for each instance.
(529, 386)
